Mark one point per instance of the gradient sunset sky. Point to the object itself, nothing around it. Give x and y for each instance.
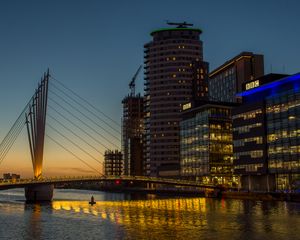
(94, 47)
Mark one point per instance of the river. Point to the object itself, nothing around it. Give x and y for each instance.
(124, 216)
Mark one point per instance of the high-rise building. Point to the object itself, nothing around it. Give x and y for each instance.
(227, 80)
(113, 163)
(266, 133)
(206, 143)
(171, 59)
(132, 135)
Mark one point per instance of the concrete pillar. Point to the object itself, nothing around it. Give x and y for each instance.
(268, 184)
(249, 183)
(240, 183)
(39, 193)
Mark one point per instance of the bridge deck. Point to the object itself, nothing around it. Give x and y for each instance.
(5, 184)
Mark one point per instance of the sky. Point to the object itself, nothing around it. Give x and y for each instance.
(95, 47)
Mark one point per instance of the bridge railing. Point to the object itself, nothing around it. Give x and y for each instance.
(177, 182)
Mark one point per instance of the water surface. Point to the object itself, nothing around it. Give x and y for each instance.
(123, 216)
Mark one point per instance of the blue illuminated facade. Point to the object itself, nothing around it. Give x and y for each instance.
(266, 134)
(272, 88)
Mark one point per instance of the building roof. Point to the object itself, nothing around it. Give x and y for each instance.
(270, 77)
(231, 61)
(275, 84)
(196, 106)
(175, 29)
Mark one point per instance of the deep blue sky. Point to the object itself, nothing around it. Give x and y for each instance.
(95, 47)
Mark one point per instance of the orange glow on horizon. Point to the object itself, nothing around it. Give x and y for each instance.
(56, 161)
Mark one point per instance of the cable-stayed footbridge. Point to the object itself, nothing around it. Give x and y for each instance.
(57, 113)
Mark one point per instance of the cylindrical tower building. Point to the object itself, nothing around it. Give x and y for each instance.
(169, 82)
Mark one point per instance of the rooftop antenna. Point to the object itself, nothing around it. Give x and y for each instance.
(271, 68)
(180, 24)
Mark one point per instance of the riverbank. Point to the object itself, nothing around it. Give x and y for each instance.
(293, 197)
(262, 196)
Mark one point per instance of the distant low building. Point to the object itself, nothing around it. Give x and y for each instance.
(11, 176)
(113, 163)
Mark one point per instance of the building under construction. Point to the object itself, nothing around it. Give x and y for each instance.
(113, 163)
(132, 131)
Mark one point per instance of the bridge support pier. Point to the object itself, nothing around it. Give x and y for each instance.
(39, 193)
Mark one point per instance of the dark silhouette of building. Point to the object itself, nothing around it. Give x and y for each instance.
(171, 62)
(227, 80)
(132, 135)
(113, 163)
(11, 176)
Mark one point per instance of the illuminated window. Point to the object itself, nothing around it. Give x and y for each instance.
(248, 115)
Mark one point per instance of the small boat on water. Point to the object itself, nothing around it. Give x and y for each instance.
(92, 202)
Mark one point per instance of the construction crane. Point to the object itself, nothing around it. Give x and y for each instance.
(132, 82)
(181, 24)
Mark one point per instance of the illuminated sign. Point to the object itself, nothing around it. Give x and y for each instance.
(253, 84)
(186, 106)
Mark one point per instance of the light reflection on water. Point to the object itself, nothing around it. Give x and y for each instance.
(71, 217)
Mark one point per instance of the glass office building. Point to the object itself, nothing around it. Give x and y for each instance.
(277, 112)
(283, 128)
(206, 143)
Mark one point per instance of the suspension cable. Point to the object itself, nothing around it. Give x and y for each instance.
(84, 123)
(13, 133)
(9, 137)
(84, 100)
(90, 119)
(12, 140)
(86, 109)
(76, 125)
(75, 144)
(80, 159)
(75, 134)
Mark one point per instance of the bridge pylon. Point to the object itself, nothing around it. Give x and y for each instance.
(36, 122)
